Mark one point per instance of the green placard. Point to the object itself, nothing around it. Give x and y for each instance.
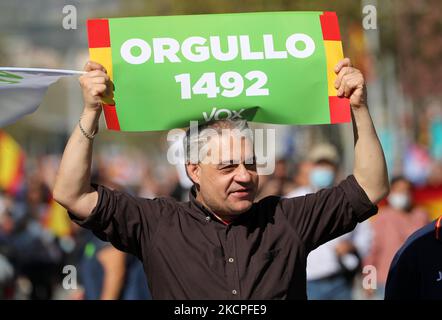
(265, 67)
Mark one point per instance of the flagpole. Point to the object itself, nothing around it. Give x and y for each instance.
(41, 70)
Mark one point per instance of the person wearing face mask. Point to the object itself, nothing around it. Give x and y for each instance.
(394, 224)
(331, 268)
(323, 174)
(317, 172)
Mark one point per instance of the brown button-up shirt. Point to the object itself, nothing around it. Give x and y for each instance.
(188, 254)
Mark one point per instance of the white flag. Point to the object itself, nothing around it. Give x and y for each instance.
(22, 90)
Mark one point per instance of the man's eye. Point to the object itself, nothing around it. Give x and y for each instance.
(250, 165)
(228, 168)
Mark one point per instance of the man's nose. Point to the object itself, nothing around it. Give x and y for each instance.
(242, 174)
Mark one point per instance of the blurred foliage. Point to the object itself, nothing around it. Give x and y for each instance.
(347, 10)
(419, 47)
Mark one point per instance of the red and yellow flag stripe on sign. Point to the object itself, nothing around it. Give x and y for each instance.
(11, 164)
(339, 107)
(100, 50)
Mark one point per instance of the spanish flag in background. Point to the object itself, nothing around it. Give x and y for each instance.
(56, 220)
(11, 164)
(430, 198)
(12, 179)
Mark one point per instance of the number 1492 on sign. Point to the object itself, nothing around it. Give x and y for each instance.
(230, 84)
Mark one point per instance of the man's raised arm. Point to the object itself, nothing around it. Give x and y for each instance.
(370, 169)
(72, 185)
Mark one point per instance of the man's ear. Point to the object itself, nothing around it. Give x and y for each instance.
(193, 172)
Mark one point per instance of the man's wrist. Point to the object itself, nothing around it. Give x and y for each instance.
(359, 111)
(88, 122)
(91, 113)
(362, 105)
(88, 135)
(361, 118)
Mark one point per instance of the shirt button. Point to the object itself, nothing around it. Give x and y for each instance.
(231, 260)
(234, 292)
(207, 218)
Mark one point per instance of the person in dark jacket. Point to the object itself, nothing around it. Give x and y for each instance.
(416, 270)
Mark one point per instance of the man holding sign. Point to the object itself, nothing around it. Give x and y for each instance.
(221, 244)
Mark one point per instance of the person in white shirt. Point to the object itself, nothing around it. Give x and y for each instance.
(332, 266)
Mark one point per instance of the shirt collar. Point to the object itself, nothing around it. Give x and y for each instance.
(200, 208)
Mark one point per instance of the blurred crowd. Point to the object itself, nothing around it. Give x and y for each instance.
(38, 240)
(39, 243)
(337, 269)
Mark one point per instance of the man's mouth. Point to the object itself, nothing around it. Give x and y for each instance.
(241, 193)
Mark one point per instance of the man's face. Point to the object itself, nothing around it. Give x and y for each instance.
(227, 176)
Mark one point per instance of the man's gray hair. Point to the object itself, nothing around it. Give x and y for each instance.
(201, 136)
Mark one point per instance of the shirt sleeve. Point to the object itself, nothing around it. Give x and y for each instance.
(124, 220)
(328, 213)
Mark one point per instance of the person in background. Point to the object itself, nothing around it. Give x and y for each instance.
(278, 183)
(416, 270)
(106, 272)
(394, 223)
(301, 179)
(332, 267)
(110, 274)
(34, 250)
